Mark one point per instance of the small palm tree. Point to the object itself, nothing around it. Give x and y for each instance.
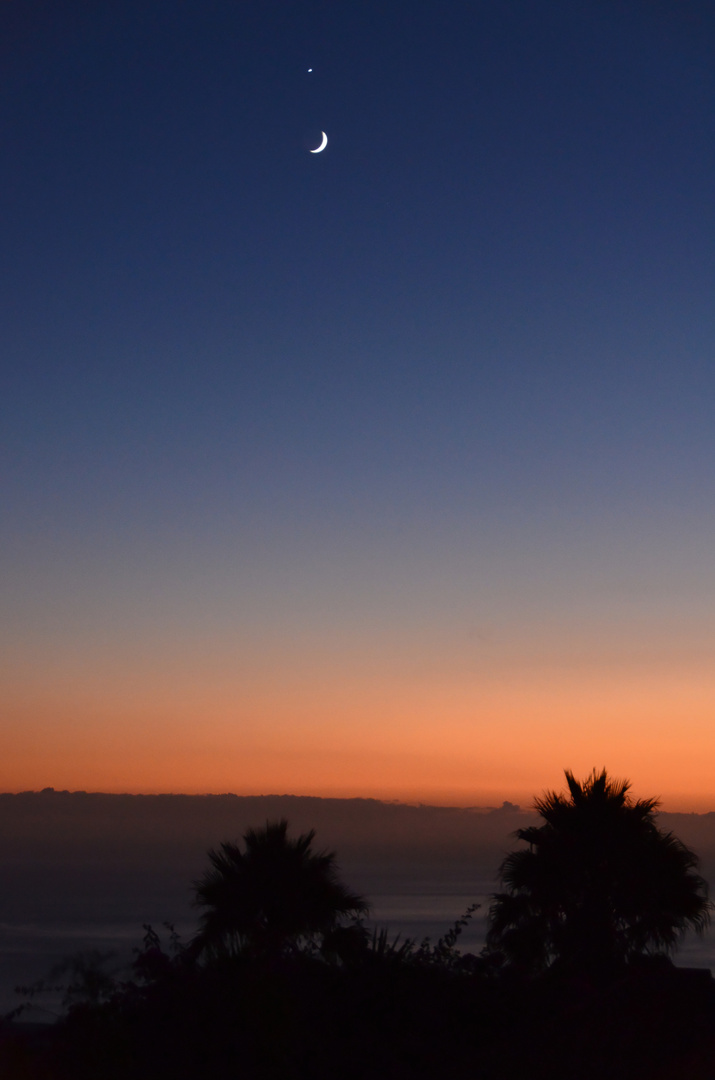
(598, 885)
(271, 897)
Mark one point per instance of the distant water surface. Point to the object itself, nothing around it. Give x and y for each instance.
(82, 872)
(28, 951)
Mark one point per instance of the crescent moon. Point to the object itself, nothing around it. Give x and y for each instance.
(323, 144)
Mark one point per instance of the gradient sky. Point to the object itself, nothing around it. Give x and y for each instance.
(386, 471)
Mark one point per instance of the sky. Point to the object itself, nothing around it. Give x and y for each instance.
(385, 471)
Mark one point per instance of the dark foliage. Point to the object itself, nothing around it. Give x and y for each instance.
(598, 885)
(318, 998)
(272, 896)
(385, 1018)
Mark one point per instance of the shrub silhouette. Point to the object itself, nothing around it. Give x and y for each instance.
(274, 896)
(286, 986)
(598, 885)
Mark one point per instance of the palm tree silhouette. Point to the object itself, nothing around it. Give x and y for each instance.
(598, 885)
(272, 897)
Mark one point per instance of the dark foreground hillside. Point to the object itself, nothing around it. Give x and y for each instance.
(379, 1016)
(284, 979)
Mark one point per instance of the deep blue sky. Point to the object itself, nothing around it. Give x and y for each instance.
(454, 375)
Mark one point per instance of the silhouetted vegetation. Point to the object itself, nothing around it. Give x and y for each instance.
(285, 981)
(599, 884)
(276, 895)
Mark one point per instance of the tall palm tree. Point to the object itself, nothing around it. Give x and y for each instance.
(271, 897)
(599, 883)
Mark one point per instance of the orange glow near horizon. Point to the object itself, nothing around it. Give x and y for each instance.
(468, 742)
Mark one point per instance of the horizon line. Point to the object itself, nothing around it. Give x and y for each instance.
(507, 806)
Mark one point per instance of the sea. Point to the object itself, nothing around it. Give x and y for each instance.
(85, 873)
(30, 951)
